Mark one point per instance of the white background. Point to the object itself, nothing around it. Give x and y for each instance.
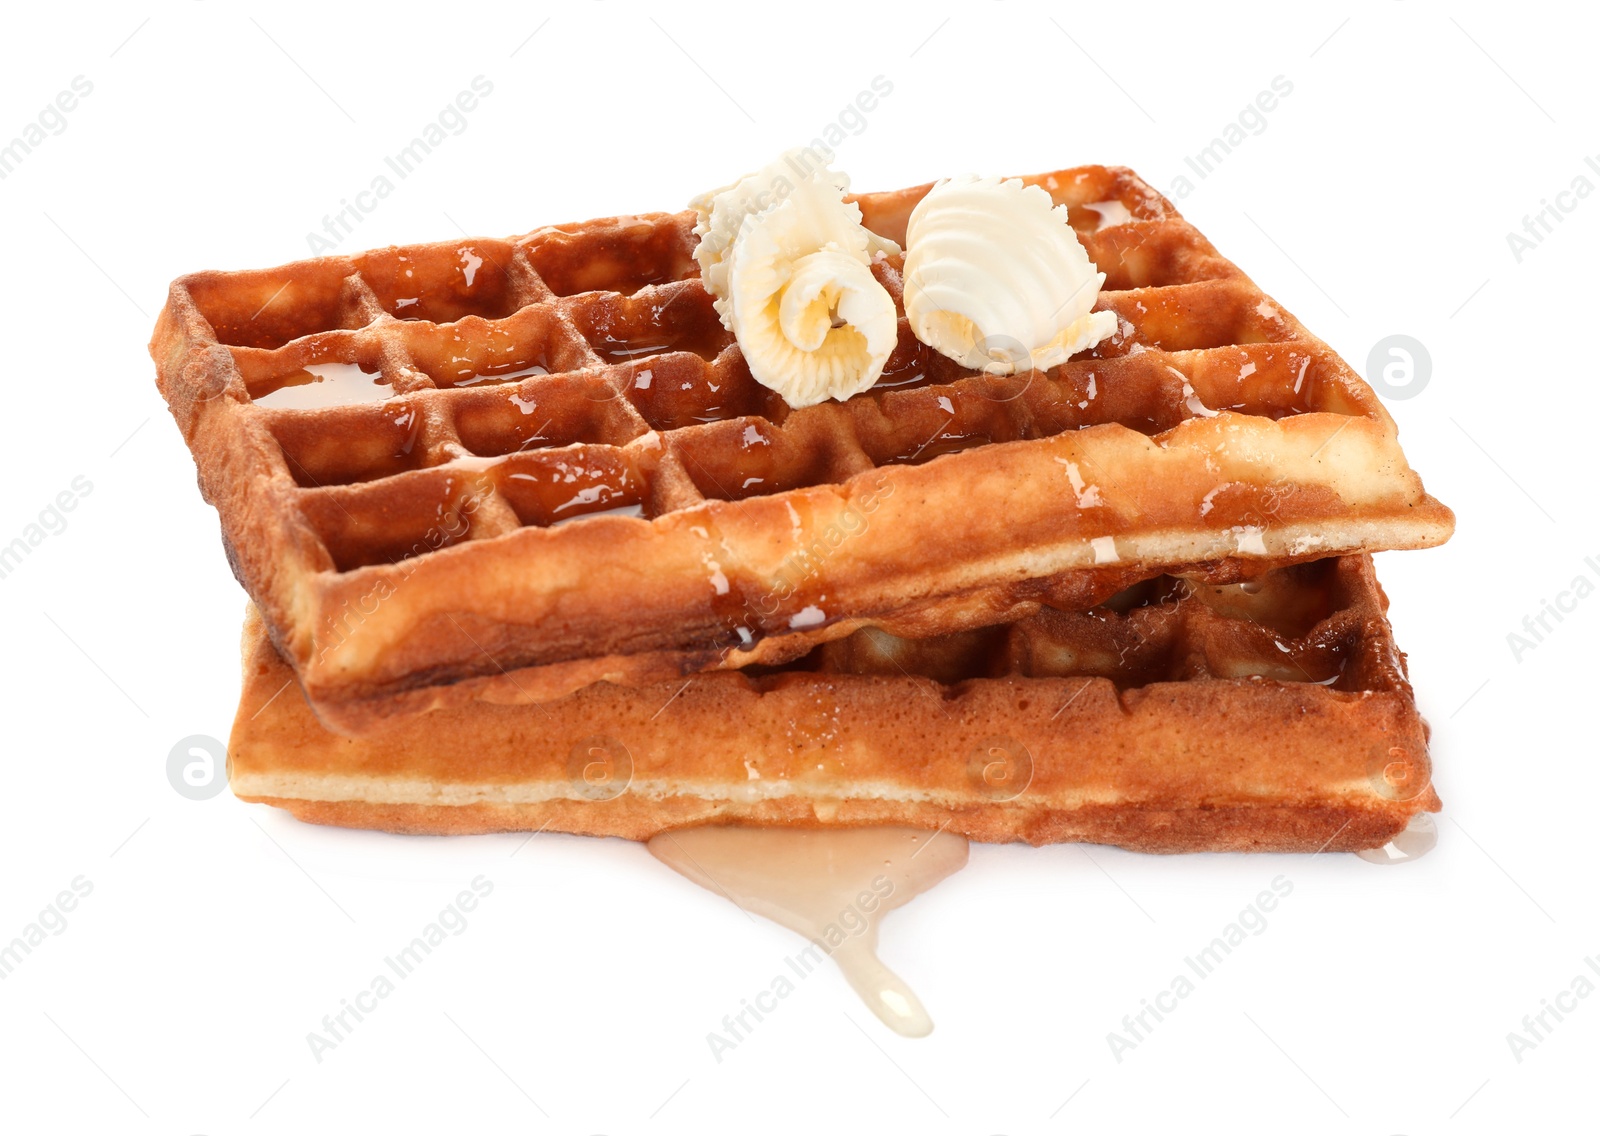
(1376, 201)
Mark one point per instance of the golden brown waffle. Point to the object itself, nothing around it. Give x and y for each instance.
(644, 509)
(1177, 718)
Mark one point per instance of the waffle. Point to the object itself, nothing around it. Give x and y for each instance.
(1178, 717)
(573, 477)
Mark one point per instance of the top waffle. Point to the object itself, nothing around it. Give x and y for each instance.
(522, 466)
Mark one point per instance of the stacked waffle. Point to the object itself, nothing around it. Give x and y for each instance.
(529, 548)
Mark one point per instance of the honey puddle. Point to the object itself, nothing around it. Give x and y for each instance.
(832, 885)
(324, 384)
(1410, 843)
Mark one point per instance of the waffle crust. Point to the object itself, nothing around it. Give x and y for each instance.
(1177, 718)
(635, 508)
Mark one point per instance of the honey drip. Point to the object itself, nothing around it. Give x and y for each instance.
(1412, 842)
(831, 885)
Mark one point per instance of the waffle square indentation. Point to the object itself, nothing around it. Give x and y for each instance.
(622, 255)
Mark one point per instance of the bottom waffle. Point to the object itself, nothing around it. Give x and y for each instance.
(1270, 716)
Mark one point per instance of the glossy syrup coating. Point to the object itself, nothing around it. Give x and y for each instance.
(536, 463)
